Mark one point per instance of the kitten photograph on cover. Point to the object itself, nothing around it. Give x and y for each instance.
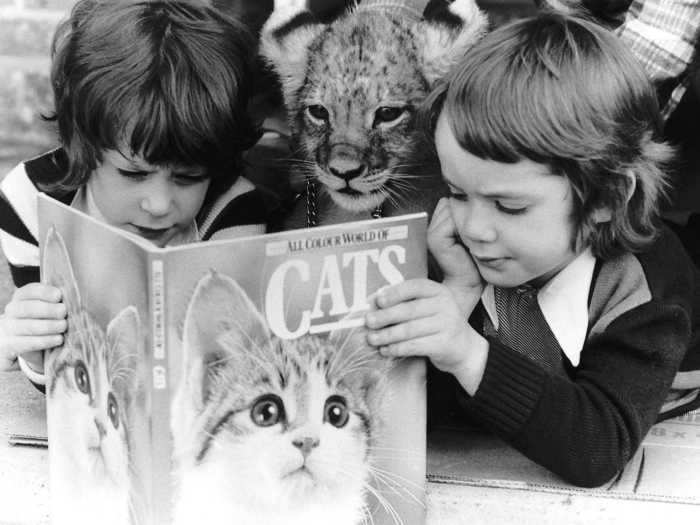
(295, 420)
(92, 390)
(280, 412)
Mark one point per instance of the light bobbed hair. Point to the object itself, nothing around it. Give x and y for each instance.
(565, 92)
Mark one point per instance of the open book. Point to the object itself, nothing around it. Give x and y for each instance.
(230, 381)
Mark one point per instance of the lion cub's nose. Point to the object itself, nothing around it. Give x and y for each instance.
(346, 162)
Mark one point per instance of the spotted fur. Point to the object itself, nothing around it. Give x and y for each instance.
(352, 90)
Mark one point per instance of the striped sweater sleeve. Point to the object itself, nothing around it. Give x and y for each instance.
(19, 225)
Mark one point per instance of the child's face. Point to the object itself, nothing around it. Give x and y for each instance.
(515, 219)
(154, 202)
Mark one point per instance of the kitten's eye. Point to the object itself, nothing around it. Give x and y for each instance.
(336, 411)
(267, 410)
(113, 410)
(387, 114)
(82, 380)
(317, 112)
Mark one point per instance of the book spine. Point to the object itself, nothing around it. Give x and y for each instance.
(160, 413)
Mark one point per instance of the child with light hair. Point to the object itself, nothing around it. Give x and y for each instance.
(583, 308)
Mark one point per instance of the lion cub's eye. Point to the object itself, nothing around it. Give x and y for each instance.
(387, 114)
(317, 112)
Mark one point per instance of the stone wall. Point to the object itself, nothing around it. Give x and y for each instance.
(26, 28)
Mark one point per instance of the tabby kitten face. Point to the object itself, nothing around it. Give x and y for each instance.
(275, 423)
(87, 381)
(294, 424)
(91, 384)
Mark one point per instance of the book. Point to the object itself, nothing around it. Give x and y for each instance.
(231, 381)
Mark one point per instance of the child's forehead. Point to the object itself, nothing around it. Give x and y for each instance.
(462, 169)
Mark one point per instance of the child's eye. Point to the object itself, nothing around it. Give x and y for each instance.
(132, 174)
(185, 179)
(462, 197)
(511, 210)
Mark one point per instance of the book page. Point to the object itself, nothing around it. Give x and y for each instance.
(97, 389)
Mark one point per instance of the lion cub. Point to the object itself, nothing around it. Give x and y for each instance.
(352, 89)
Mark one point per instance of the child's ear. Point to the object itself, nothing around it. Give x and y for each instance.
(631, 185)
(604, 214)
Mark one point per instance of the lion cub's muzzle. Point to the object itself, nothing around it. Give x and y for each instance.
(346, 162)
(350, 180)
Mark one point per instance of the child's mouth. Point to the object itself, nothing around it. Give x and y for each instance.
(151, 233)
(491, 262)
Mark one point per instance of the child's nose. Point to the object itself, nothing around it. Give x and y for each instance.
(158, 198)
(476, 224)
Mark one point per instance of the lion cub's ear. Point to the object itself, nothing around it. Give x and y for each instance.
(445, 33)
(285, 40)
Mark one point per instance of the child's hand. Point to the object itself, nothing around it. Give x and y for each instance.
(34, 320)
(422, 318)
(460, 273)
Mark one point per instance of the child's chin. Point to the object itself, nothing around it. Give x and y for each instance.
(497, 277)
(503, 281)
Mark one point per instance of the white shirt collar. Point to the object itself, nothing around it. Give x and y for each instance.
(564, 304)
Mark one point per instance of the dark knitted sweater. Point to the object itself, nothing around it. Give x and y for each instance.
(585, 425)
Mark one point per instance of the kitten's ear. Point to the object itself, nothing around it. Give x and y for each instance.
(445, 33)
(126, 350)
(221, 325)
(57, 270)
(284, 42)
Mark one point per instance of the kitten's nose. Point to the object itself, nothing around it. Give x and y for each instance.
(305, 445)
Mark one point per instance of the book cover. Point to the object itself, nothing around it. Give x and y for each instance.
(231, 381)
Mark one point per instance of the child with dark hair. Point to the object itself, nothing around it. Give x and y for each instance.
(150, 103)
(583, 310)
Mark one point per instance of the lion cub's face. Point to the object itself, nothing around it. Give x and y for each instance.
(352, 90)
(355, 116)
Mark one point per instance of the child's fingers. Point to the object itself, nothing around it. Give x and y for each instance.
(34, 343)
(414, 329)
(412, 347)
(442, 216)
(400, 313)
(406, 291)
(30, 327)
(38, 291)
(35, 309)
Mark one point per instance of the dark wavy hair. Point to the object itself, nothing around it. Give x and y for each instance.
(167, 80)
(565, 92)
